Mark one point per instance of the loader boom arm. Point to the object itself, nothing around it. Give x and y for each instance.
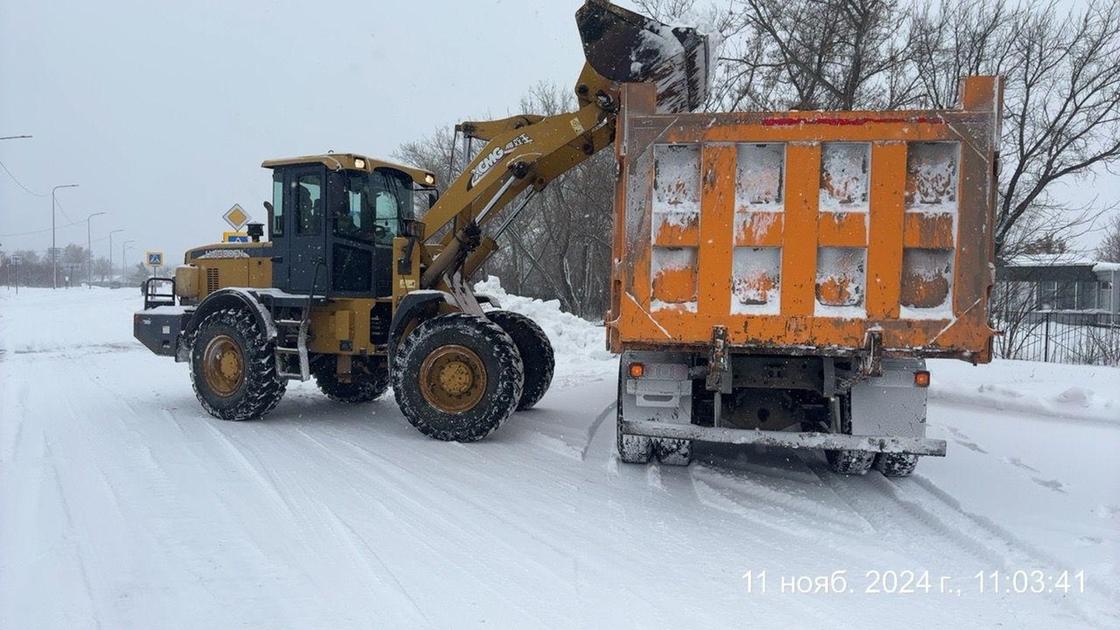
(528, 152)
(522, 152)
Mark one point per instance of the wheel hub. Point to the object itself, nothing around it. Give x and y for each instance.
(453, 379)
(223, 365)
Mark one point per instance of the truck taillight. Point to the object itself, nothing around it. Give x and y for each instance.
(921, 378)
(637, 370)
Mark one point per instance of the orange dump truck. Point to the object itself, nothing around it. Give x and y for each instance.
(780, 278)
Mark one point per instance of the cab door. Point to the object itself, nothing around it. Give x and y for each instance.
(303, 250)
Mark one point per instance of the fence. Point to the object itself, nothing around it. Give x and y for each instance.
(1083, 337)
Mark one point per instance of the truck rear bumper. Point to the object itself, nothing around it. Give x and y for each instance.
(826, 441)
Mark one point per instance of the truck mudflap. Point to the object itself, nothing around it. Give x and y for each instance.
(786, 439)
(160, 329)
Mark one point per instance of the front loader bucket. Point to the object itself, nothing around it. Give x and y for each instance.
(628, 47)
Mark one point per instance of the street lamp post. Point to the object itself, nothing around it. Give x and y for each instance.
(54, 247)
(124, 247)
(89, 251)
(111, 233)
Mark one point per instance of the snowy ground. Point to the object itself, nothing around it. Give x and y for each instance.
(123, 505)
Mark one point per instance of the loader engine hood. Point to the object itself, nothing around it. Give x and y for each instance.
(627, 47)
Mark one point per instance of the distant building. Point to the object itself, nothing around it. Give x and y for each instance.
(1062, 283)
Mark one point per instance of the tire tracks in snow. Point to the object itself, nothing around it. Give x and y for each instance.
(422, 513)
(907, 514)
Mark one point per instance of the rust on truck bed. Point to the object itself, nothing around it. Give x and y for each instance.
(801, 232)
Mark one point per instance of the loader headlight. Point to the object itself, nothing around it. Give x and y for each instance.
(429, 179)
(359, 163)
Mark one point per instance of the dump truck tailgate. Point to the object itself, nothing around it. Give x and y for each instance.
(804, 231)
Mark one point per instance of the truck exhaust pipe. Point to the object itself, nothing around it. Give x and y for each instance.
(628, 47)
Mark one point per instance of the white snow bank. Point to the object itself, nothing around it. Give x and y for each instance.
(1068, 391)
(580, 345)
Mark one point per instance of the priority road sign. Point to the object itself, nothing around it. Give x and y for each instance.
(235, 237)
(153, 259)
(236, 217)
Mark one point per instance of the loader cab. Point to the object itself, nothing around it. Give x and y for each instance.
(333, 222)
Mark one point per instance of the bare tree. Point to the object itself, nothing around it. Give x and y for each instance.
(1063, 111)
(1109, 249)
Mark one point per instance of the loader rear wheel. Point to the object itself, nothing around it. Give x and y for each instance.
(233, 369)
(457, 377)
(362, 388)
(536, 354)
(896, 464)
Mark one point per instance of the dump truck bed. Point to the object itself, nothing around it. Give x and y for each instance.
(807, 232)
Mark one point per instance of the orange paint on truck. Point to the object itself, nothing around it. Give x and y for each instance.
(812, 228)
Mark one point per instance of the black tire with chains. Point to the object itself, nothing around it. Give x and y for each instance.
(847, 461)
(504, 372)
(896, 464)
(632, 449)
(261, 389)
(536, 354)
(362, 389)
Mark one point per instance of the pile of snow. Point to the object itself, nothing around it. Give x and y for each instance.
(580, 345)
(1083, 392)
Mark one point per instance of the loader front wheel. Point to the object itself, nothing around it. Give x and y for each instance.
(536, 354)
(362, 388)
(457, 377)
(233, 369)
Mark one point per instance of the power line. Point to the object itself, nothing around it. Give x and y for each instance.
(19, 183)
(32, 232)
(63, 210)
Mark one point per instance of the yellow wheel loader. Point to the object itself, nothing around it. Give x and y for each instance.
(354, 288)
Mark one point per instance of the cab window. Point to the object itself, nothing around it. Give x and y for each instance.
(277, 222)
(309, 201)
(371, 206)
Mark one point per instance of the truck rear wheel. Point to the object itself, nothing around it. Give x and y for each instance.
(896, 464)
(362, 387)
(632, 449)
(233, 367)
(847, 461)
(536, 354)
(673, 452)
(457, 377)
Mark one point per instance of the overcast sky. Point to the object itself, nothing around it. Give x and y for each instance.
(163, 111)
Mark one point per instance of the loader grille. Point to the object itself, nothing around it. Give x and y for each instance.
(212, 280)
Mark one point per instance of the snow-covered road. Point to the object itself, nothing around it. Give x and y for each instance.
(122, 504)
